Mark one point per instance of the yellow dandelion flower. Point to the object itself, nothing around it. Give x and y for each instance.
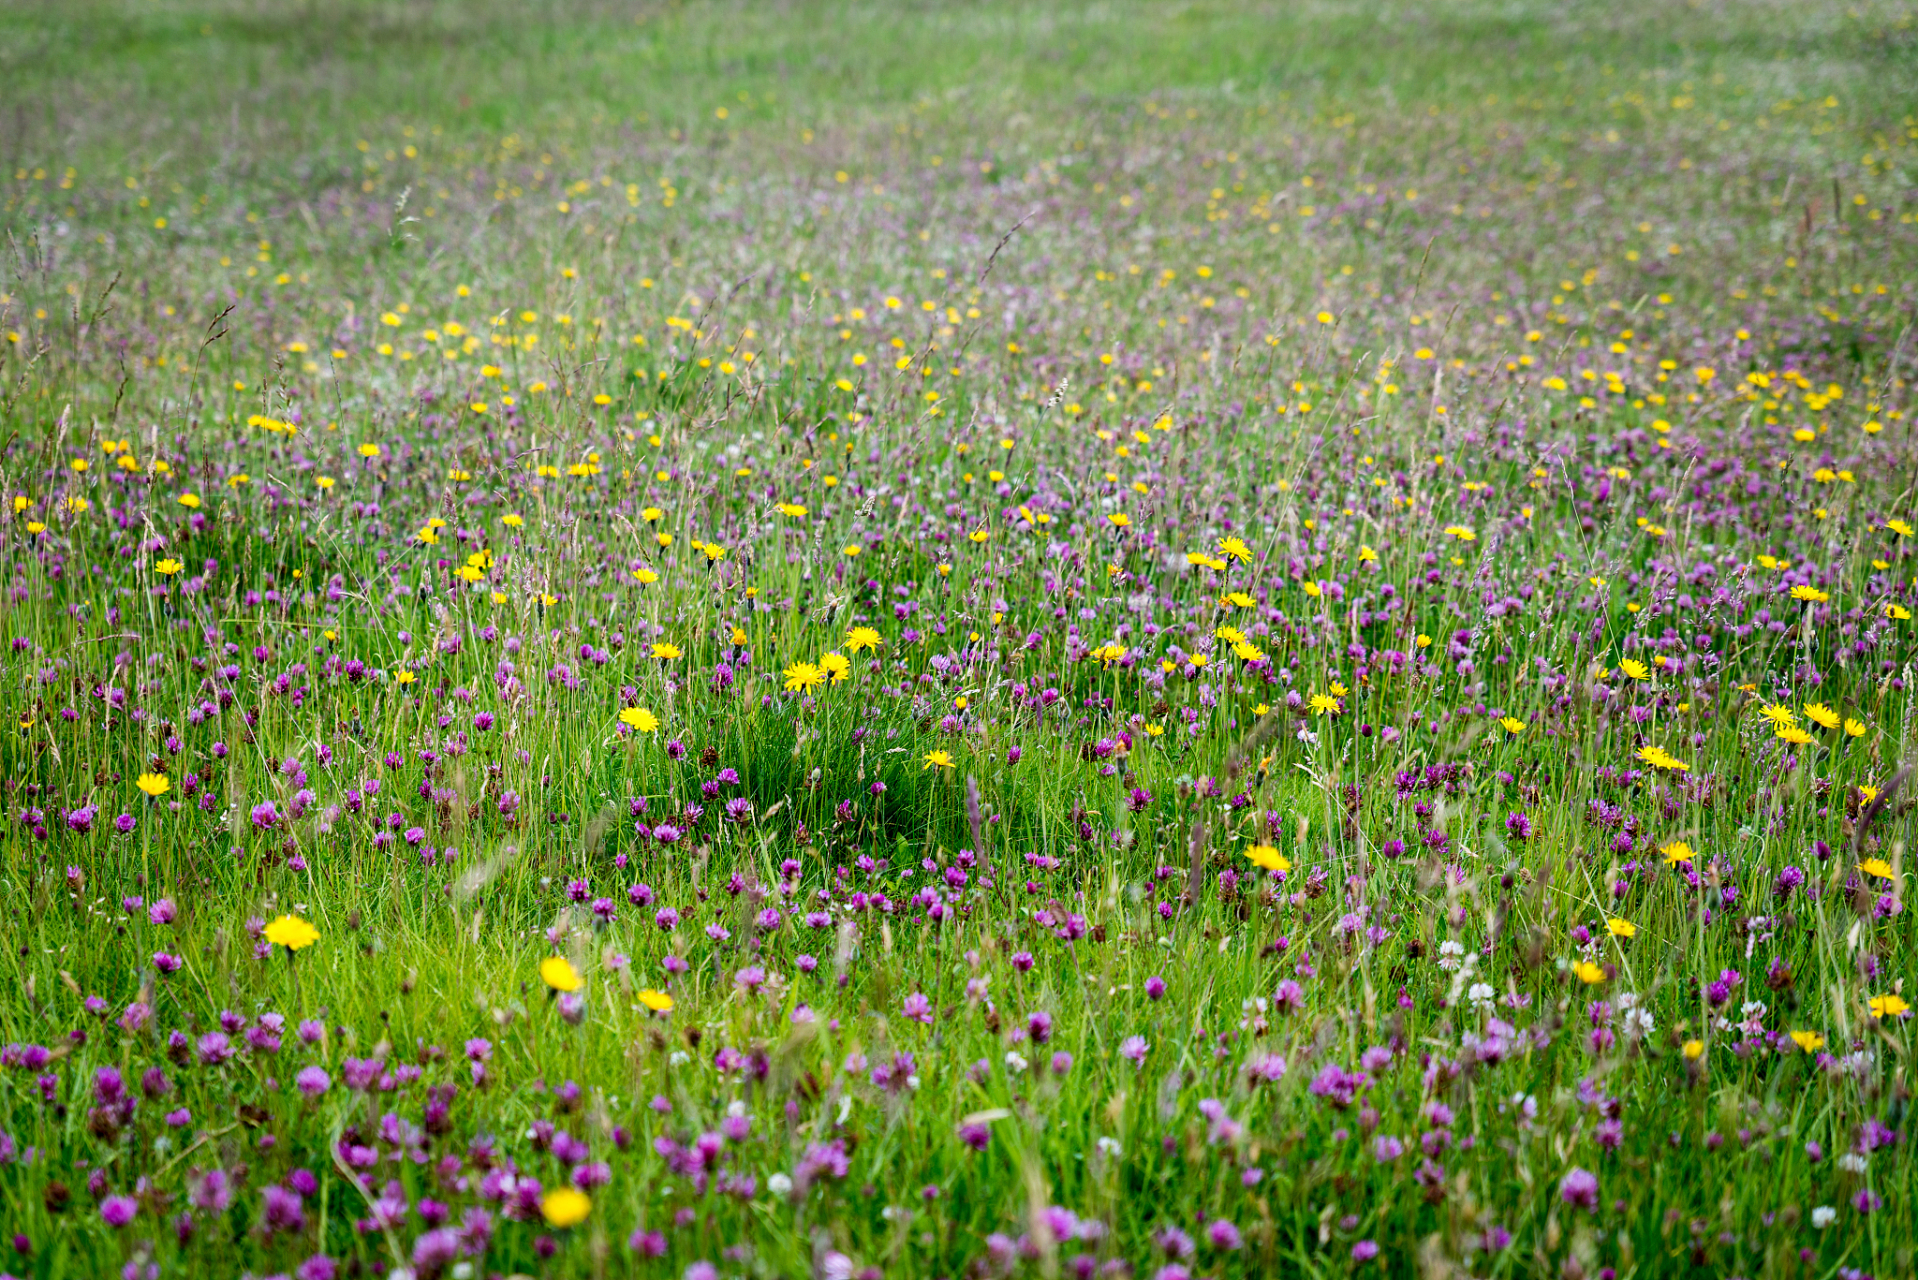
(666, 652)
(639, 719)
(1512, 724)
(1635, 669)
(1264, 855)
(1621, 928)
(1822, 714)
(1676, 852)
(803, 677)
(558, 973)
(657, 1001)
(1809, 1041)
(1876, 867)
(154, 784)
(1888, 1006)
(292, 933)
(938, 760)
(565, 1207)
(1588, 973)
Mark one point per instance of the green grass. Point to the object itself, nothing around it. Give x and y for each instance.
(1516, 343)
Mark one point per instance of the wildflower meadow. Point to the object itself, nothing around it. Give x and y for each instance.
(818, 639)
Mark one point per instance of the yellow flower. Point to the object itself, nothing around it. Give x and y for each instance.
(1237, 599)
(558, 973)
(651, 514)
(939, 759)
(1822, 714)
(1676, 852)
(154, 784)
(1809, 1041)
(1588, 973)
(188, 500)
(1246, 651)
(1634, 668)
(1897, 613)
(1794, 735)
(1694, 1050)
(792, 509)
(1811, 595)
(1119, 519)
(1264, 855)
(1512, 724)
(640, 719)
(1324, 704)
(169, 567)
(513, 520)
(666, 652)
(1659, 758)
(369, 451)
(860, 638)
(1621, 928)
(837, 668)
(1855, 728)
(1108, 653)
(1876, 867)
(292, 933)
(803, 677)
(645, 577)
(565, 1207)
(1888, 1006)
(1235, 549)
(1780, 716)
(1867, 792)
(657, 1001)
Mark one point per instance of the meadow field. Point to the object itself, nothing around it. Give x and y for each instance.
(824, 639)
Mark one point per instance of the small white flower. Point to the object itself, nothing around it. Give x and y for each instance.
(736, 1108)
(462, 1271)
(1823, 1216)
(1481, 993)
(1852, 1162)
(779, 1184)
(1110, 1147)
(1015, 1063)
(679, 1058)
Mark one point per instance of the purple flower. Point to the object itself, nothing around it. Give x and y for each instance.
(312, 1081)
(1365, 1251)
(117, 1211)
(265, 815)
(1223, 1234)
(918, 1008)
(281, 1210)
(1579, 1188)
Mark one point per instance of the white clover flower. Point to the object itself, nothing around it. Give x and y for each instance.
(779, 1184)
(1015, 1062)
(1110, 1147)
(1823, 1216)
